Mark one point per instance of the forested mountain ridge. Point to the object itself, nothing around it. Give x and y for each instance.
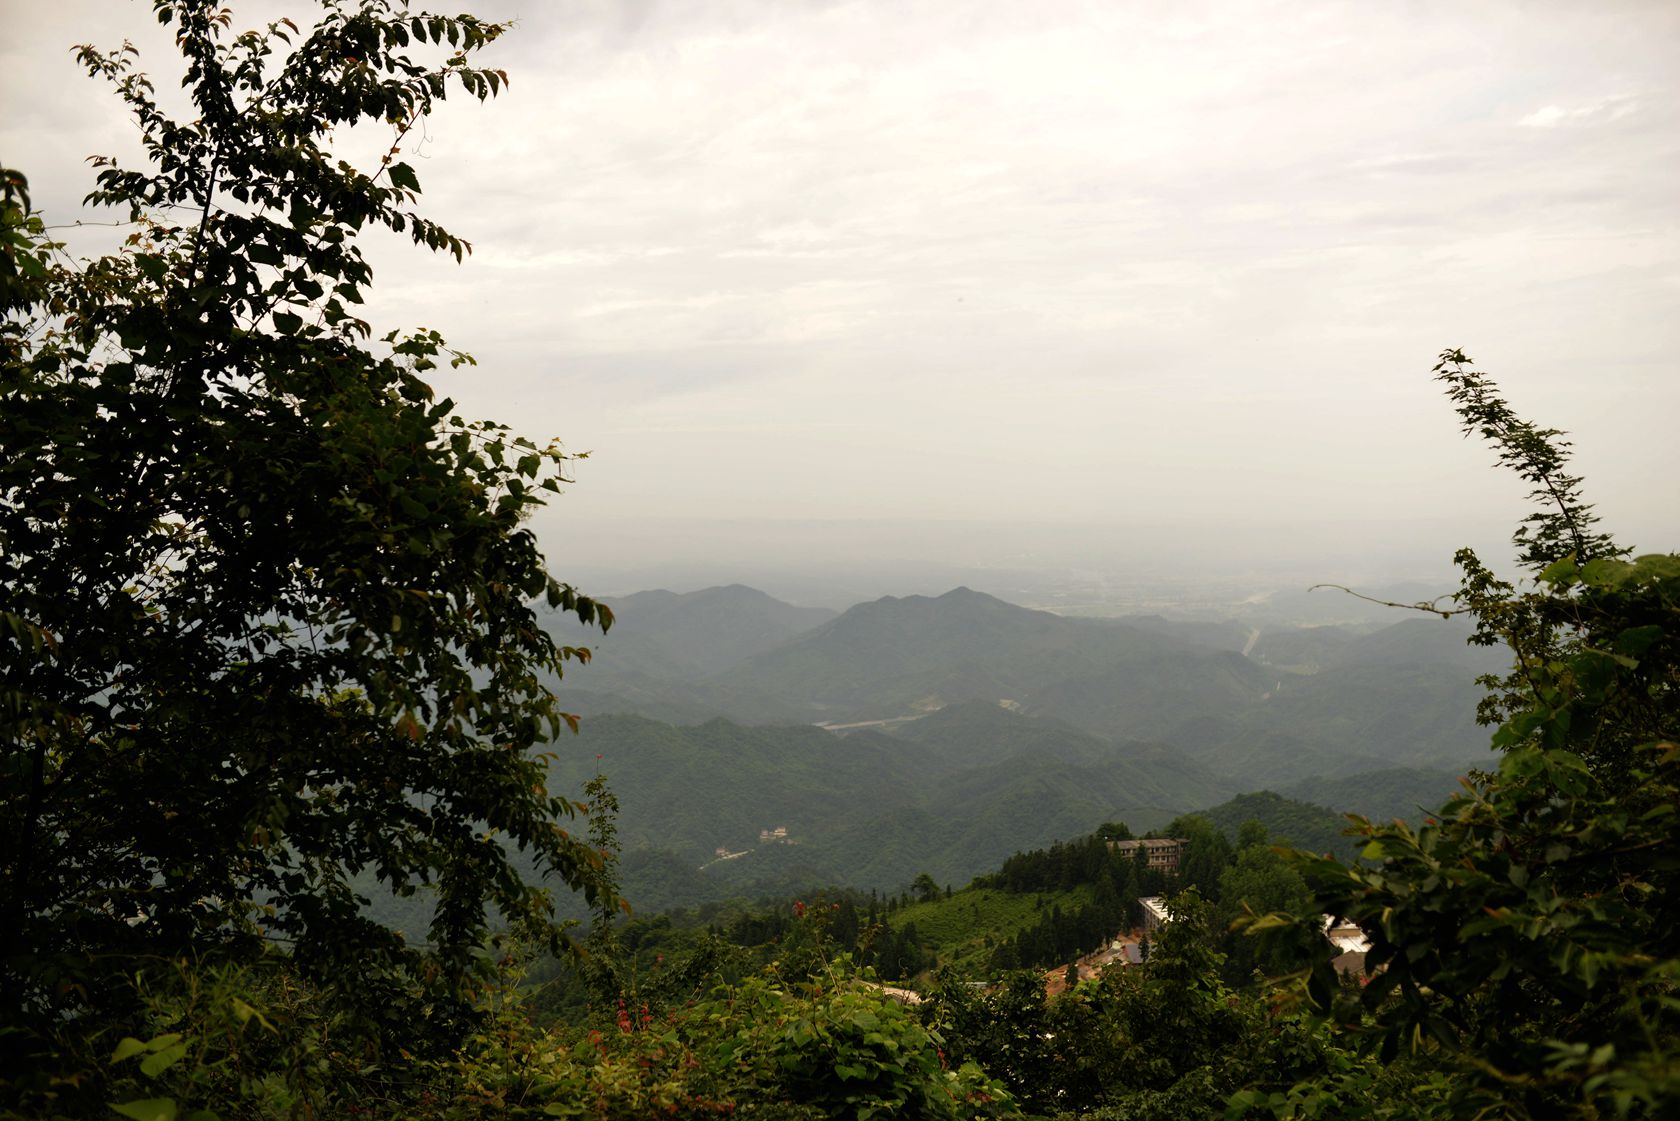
(1401, 695)
(975, 735)
(1342, 722)
(989, 746)
(897, 656)
(1396, 792)
(666, 650)
(971, 785)
(950, 794)
(697, 634)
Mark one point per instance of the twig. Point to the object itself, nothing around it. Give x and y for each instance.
(1422, 605)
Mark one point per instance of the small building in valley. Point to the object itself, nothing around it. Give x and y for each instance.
(1161, 854)
(1350, 942)
(1155, 914)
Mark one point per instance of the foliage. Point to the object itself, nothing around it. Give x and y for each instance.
(1005, 1029)
(602, 955)
(1260, 881)
(1523, 940)
(1527, 939)
(809, 1030)
(266, 601)
(249, 1040)
(1166, 1039)
(227, 1042)
(977, 931)
(1206, 853)
(1562, 525)
(809, 1035)
(24, 260)
(846, 1049)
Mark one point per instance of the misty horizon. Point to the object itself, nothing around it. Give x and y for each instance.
(890, 273)
(1071, 568)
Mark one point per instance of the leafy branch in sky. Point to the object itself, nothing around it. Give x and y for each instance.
(267, 604)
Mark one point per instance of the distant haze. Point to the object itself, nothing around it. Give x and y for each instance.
(1076, 568)
(888, 293)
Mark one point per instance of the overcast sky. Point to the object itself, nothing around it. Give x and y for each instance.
(1118, 263)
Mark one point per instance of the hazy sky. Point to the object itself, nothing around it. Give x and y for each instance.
(1122, 263)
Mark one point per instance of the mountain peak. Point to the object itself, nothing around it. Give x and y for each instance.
(734, 591)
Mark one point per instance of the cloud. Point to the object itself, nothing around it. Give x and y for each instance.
(941, 259)
(1605, 111)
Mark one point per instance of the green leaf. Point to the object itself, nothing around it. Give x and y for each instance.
(147, 1109)
(128, 1048)
(403, 176)
(1604, 571)
(1560, 571)
(1634, 641)
(1241, 1102)
(153, 1065)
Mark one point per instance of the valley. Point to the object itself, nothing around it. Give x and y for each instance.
(940, 734)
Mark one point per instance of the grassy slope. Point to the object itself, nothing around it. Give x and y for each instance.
(958, 928)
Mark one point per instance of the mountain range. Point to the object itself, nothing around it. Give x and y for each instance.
(941, 734)
(951, 795)
(1338, 701)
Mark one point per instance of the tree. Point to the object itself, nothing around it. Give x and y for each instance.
(1260, 880)
(1526, 940)
(1562, 524)
(1206, 853)
(1114, 831)
(265, 601)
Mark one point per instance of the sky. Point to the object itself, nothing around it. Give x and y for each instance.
(960, 281)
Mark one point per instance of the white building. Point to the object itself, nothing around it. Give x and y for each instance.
(1155, 914)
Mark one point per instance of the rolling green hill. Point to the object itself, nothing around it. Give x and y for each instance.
(692, 789)
(1288, 822)
(952, 796)
(987, 739)
(1302, 649)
